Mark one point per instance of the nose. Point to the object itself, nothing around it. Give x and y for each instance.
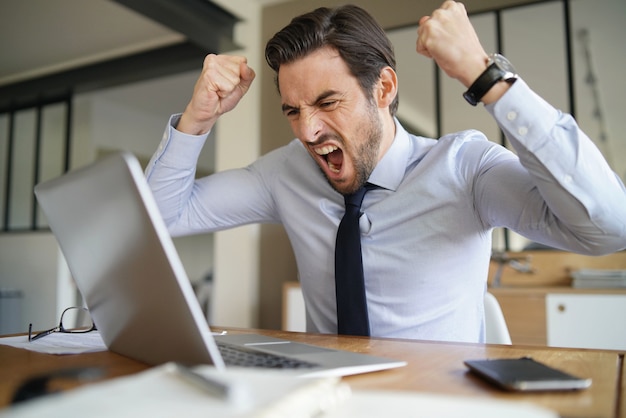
(308, 127)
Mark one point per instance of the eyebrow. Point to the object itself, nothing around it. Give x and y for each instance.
(286, 107)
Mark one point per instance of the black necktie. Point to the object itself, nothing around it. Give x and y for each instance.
(352, 316)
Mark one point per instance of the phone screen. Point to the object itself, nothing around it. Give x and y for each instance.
(525, 374)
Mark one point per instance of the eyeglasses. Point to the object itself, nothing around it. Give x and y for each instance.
(73, 320)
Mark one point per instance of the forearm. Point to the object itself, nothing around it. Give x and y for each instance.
(171, 170)
(571, 175)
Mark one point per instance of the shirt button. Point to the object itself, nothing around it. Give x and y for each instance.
(567, 178)
(511, 115)
(522, 130)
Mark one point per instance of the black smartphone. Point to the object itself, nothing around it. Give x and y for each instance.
(525, 374)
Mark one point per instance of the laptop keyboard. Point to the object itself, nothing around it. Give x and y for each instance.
(240, 356)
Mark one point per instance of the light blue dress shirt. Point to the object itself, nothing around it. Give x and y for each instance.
(426, 233)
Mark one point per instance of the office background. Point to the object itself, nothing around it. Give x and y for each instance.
(250, 264)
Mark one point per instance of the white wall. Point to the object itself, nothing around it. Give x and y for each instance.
(237, 251)
(30, 263)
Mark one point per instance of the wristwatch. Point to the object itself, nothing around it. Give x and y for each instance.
(498, 69)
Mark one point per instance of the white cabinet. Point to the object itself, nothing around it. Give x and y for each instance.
(586, 320)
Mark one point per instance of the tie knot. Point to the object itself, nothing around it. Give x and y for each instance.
(356, 198)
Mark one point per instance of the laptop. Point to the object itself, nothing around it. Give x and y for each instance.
(131, 278)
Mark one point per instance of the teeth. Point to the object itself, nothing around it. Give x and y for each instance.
(325, 150)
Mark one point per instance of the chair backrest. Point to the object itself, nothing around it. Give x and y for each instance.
(294, 317)
(496, 329)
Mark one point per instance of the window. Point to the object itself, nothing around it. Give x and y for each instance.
(34, 147)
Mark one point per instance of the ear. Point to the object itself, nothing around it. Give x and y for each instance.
(387, 87)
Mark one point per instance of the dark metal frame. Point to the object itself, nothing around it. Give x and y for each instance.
(10, 166)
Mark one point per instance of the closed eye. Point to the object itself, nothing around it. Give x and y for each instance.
(328, 104)
(290, 111)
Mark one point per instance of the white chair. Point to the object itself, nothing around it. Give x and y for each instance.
(496, 329)
(294, 316)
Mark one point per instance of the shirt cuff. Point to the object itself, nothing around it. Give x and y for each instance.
(177, 149)
(524, 116)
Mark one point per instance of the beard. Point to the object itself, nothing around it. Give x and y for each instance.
(368, 152)
(364, 153)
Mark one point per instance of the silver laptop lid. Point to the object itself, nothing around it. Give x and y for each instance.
(125, 264)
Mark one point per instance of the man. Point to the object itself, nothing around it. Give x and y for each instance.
(426, 224)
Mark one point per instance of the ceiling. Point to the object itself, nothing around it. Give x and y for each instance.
(84, 32)
(45, 42)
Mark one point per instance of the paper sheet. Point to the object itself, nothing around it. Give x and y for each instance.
(374, 404)
(63, 343)
(158, 392)
(59, 343)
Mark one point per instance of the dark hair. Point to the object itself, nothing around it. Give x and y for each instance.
(353, 32)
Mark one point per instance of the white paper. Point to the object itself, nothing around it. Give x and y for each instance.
(59, 343)
(63, 343)
(160, 392)
(374, 404)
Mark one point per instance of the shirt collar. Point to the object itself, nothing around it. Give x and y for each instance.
(390, 170)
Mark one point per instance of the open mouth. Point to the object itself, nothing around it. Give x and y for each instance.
(333, 156)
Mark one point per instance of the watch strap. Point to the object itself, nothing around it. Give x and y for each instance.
(483, 84)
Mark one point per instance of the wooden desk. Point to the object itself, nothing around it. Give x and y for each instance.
(432, 367)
